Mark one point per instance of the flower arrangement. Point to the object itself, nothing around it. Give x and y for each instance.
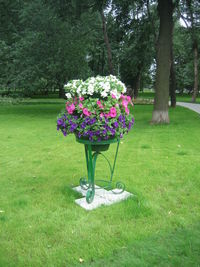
(96, 109)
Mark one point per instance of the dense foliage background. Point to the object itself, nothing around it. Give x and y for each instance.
(45, 43)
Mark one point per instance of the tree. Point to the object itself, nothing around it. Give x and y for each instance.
(190, 13)
(172, 80)
(163, 60)
(134, 35)
(50, 49)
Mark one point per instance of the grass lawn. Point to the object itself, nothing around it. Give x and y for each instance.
(40, 225)
(179, 97)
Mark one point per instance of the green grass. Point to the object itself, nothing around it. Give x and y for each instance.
(179, 97)
(42, 226)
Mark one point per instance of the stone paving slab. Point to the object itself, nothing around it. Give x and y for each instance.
(102, 197)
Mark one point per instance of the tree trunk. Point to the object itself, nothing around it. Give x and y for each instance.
(107, 43)
(163, 59)
(172, 86)
(102, 62)
(196, 74)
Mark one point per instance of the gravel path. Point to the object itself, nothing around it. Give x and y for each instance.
(194, 107)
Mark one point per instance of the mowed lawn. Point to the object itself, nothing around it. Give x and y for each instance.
(40, 225)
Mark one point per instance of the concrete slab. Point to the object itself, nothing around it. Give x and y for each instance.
(102, 197)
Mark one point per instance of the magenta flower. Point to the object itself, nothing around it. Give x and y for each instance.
(107, 115)
(129, 100)
(86, 112)
(80, 105)
(127, 110)
(124, 103)
(70, 109)
(99, 104)
(81, 98)
(101, 115)
(113, 112)
(113, 96)
(123, 96)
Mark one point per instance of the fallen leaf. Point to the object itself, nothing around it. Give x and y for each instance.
(81, 260)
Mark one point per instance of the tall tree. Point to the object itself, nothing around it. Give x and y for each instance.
(107, 43)
(193, 19)
(101, 6)
(190, 13)
(134, 33)
(163, 60)
(172, 85)
(51, 47)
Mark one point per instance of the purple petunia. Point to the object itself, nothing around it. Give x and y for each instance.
(104, 132)
(59, 122)
(116, 124)
(83, 125)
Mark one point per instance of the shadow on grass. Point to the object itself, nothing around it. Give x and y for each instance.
(180, 247)
(69, 194)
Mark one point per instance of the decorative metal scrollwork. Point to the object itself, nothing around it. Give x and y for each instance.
(120, 186)
(83, 183)
(88, 184)
(90, 195)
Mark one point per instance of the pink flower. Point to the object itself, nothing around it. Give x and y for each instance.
(127, 110)
(123, 96)
(80, 105)
(124, 103)
(129, 100)
(107, 115)
(70, 109)
(99, 104)
(81, 98)
(86, 112)
(113, 96)
(101, 115)
(113, 112)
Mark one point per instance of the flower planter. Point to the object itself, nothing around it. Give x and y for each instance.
(92, 151)
(97, 112)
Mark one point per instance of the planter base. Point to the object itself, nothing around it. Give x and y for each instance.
(91, 158)
(102, 197)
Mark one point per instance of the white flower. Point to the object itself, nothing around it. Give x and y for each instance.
(92, 80)
(104, 86)
(104, 94)
(90, 89)
(124, 89)
(115, 93)
(68, 95)
(67, 85)
(84, 92)
(78, 90)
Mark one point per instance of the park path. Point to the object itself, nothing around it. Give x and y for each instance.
(194, 107)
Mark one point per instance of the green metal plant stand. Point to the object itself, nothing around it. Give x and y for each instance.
(92, 151)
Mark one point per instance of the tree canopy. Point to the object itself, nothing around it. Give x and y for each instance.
(45, 43)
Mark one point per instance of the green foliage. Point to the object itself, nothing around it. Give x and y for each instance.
(45, 43)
